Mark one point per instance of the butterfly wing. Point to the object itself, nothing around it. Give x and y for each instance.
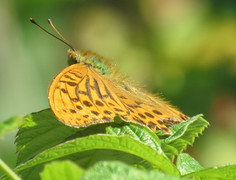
(63, 96)
(79, 96)
(148, 110)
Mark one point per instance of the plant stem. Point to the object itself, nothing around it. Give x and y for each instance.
(8, 171)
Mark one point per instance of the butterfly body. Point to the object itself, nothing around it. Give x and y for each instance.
(94, 61)
(89, 92)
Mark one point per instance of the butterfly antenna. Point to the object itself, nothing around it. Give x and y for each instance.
(51, 24)
(62, 39)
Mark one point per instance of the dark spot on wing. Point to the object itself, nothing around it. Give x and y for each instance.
(71, 83)
(79, 107)
(149, 115)
(133, 106)
(111, 104)
(124, 117)
(63, 90)
(130, 110)
(135, 118)
(120, 110)
(156, 112)
(95, 113)
(184, 117)
(107, 119)
(86, 103)
(141, 115)
(74, 99)
(138, 103)
(68, 77)
(72, 111)
(99, 103)
(160, 122)
(151, 124)
(122, 97)
(108, 112)
(165, 130)
(140, 121)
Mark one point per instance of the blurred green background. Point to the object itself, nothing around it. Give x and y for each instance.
(183, 49)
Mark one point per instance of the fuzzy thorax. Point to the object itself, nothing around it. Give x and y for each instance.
(96, 62)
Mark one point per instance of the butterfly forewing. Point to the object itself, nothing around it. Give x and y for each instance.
(63, 96)
(79, 96)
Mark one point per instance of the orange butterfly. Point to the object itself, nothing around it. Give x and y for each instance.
(88, 92)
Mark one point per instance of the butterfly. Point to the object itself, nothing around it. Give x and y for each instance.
(89, 92)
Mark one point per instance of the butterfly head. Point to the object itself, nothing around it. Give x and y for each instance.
(90, 59)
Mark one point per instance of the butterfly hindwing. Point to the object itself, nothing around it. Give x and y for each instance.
(141, 110)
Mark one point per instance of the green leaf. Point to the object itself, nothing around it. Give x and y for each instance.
(88, 158)
(32, 173)
(116, 170)
(42, 138)
(221, 172)
(63, 170)
(187, 164)
(42, 130)
(10, 124)
(39, 132)
(138, 132)
(183, 134)
(120, 143)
